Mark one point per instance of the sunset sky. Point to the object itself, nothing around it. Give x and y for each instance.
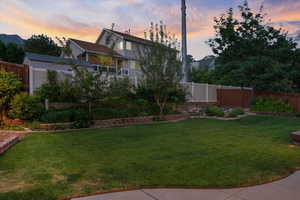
(84, 19)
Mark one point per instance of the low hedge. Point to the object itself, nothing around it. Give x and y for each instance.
(214, 111)
(266, 104)
(62, 116)
(236, 112)
(81, 115)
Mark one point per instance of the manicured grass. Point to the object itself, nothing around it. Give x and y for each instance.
(198, 152)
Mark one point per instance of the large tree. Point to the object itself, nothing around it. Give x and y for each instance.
(251, 52)
(42, 44)
(11, 53)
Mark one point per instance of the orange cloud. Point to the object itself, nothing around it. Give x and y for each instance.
(32, 25)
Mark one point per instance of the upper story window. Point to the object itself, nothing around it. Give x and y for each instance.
(121, 45)
(128, 45)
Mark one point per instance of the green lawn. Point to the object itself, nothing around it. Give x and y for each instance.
(197, 152)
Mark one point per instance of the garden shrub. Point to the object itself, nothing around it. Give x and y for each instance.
(58, 91)
(12, 128)
(33, 125)
(9, 87)
(62, 116)
(26, 107)
(120, 88)
(175, 96)
(267, 104)
(214, 111)
(236, 112)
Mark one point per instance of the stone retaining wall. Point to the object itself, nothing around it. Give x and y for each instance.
(118, 122)
(8, 142)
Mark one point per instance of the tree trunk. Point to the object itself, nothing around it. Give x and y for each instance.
(3, 117)
(161, 111)
(90, 111)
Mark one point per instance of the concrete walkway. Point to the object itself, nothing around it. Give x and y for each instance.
(285, 189)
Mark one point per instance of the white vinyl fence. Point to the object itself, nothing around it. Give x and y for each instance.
(202, 92)
(39, 76)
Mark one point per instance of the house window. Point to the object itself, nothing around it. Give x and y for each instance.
(133, 64)
(121, 45)
(128, 45)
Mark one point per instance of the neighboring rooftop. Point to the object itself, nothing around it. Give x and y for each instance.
(12, 39)
(207, 62)
(92, 47)
(53, 59)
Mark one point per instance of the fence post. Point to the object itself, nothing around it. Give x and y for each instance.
(46, 104)
(193, 90)
(135, 81)
(207, 99)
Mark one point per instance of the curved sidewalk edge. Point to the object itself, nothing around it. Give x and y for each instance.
(285, 189)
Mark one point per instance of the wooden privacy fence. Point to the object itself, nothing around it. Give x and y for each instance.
(207, 93)
(234, 97)
(22, 72)
(292, 98)
(242, 97)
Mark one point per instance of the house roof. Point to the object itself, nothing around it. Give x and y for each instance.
(95, 48)
(129, 37)
(53, 59)
(133, 38)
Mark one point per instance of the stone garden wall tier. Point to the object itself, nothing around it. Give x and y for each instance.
(6, 143)
(119, 122)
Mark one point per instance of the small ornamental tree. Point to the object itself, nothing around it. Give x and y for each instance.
(160, 67)
(161, 70)
(92, 87)
(9, 87)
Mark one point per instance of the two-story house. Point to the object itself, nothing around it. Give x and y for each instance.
(128, 46)
(124, 50)
(97, 55)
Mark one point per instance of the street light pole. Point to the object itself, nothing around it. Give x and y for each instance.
(184, 42)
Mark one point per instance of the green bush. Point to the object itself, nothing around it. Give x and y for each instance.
(236, 112)
(174, 96)
(26, 107)
(214, 111)
(58, 91)
(62, 116)
(11, 128)
(33, 125)
(266, 104)
(81, 120)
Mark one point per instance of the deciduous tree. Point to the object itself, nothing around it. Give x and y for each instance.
(42, 44)
(251, 52)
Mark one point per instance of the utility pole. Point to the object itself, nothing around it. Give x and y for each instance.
(184, 42)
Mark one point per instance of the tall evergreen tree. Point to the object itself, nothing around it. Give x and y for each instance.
(251, 52)
(42, 44)
(11, 53)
